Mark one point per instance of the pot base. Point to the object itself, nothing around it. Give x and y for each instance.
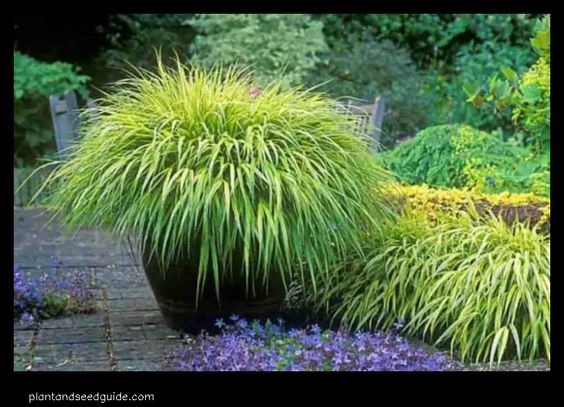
(175, 292)
(187, 318)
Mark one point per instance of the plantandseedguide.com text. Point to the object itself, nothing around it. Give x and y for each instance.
(99, 397)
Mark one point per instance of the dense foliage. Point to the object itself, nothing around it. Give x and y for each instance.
(34, 82)
(461, 156)
(363, 68)
(244, 346)
(186, 157)
(50, 296)
(432, 39)
(133, 39)
(449, 50)
(473, 64)
(277, 46)
(480, 287)
(528, 95)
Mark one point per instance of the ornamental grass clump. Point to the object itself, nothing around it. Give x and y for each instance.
(189, 160)
(480, 288)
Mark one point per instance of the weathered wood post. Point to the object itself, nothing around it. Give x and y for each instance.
(376, 122)
(64, 113)
(18, 199)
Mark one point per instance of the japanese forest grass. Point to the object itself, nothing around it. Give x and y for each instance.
(478, 287)
(187, 158)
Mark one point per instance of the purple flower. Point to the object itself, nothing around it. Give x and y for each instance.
(242, 346)
(27, 318)
(55, 263)
(399, 324)
(50, 295)
(241, 324)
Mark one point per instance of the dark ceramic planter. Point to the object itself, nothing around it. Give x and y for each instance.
(175, 292)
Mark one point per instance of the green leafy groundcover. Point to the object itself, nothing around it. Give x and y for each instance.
(481, 288)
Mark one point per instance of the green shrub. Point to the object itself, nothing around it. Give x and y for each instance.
(187, 157)
(364, 68)
(439, 155)
(285, 46)
(528, 96)
(474, 63)
(433, 40)
(34, 82)
(459, 156)
(527, 208)
(449, 49)
(482, 288)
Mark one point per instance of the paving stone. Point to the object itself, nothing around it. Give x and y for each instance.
(52, 354)
(75, 367)
(20, 326)
(141, 365)
(145, 303)
(90, 352)
(138, 292)
(75, 321)
(23, 338)
(150, 349)
(127, 333)
(123, 278)
(58, 323)
(21, 350)
(77, 352)
(77, 335)
(35, 242)
(22, 358)
(525, 365)
(81, 321)
(160, 331)
(78, 343)
(136, 318)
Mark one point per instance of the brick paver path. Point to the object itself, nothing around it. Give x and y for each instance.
(126, 333)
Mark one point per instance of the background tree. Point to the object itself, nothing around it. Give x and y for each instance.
(276, 45)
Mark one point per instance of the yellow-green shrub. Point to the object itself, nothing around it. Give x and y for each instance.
(510, 206)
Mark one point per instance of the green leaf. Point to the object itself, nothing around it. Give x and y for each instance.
(541, 40)
(509, 73)
(471, 89)
(502, 89)
(531, 93)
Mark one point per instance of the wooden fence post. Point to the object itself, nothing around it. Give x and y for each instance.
(64, 112)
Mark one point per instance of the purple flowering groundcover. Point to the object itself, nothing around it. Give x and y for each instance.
(244, 346)
(50, 295)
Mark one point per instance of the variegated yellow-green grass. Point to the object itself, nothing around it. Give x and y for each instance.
(184, 155)
(482, 288)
